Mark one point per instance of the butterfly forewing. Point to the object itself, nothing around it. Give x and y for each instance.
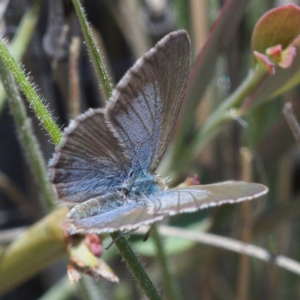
(192, 198)
(89, 160)
(145, 104)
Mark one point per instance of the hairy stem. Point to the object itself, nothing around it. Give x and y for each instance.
(135, 266)
(27, 137)
(94, 51)
(27, 88)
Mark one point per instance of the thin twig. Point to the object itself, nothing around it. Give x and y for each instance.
(228, 244)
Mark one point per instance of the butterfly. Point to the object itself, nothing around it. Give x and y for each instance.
(104, 168)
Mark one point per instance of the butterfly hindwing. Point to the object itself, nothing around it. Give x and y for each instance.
(170, 202)
(89, 159)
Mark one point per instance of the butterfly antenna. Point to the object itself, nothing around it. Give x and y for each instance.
(123, 233)
(147, 234)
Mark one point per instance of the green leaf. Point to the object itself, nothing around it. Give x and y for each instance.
(280, 25)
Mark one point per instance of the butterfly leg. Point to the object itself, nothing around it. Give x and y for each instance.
(147, 234)
(121, 235)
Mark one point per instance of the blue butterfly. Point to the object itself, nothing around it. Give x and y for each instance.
(104, 167)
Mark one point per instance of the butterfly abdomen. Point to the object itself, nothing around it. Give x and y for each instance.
(86, 209)
(98, 205)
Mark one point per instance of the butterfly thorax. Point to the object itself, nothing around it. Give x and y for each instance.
(143, 184)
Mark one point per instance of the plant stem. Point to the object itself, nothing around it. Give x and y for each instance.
(135, 266)
(102, 74)
(22, 38)
(27, 137)
(168, 281)
(27, 88)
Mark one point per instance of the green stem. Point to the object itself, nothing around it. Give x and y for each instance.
(135, 266)
(168, 281)
(29, 91)
(225, 113)
(22, 38)
(103, 77)
(27, 137)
